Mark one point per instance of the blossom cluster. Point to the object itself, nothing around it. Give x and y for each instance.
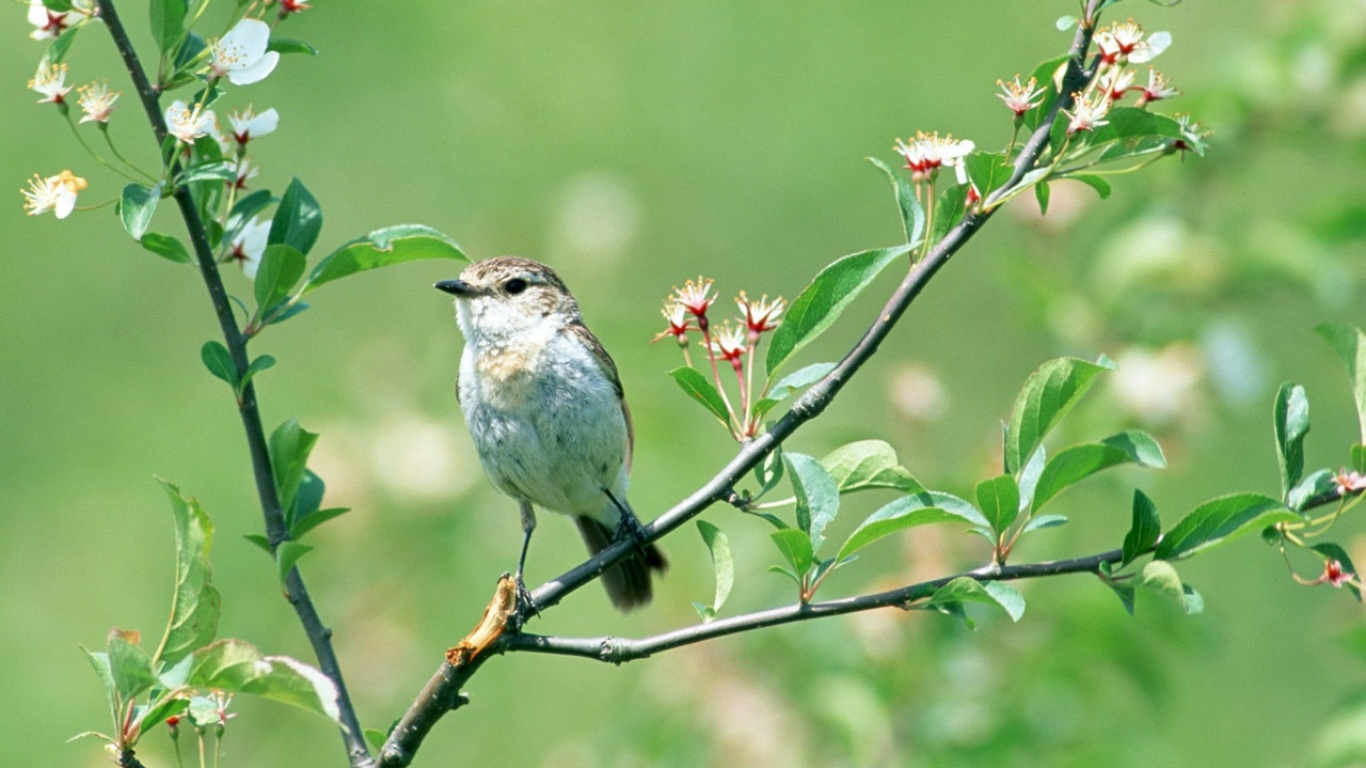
(241, 56)
(733, 342)
(1120, 45)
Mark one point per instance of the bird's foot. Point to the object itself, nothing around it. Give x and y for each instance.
(630, 529)
(526, 607)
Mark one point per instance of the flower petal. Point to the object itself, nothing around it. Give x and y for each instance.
(257, 71)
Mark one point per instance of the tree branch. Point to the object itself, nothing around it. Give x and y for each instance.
(276, 531)
(444, 686)
(618, 650)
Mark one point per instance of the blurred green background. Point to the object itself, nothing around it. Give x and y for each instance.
(634, 146)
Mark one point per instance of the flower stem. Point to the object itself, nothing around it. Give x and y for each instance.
(98, 158)
(104, 129)
(716, 377)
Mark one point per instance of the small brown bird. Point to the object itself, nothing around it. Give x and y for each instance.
(544, 405)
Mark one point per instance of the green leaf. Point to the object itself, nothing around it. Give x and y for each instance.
(822, 302)
(723, 565)
(169, 704)
(315, 519)
(1350, 345)
(136, 206)
(174, 675)
(912, 215)
(1065, 23)
(868, 464)
(1128, 125)
(786, 572)
(290, 445)
(1124, 590)
(287, 555)
(1358, 455)
(375, 738)
(1098, 183)
(1220, 520)
(259, 540)
(798, 379)
(286, 45)
(1290, 421)
(769, 472)
(906, 512)
(259, 364)
(698, 388)
(999, 500)
(188, 55)
(219, 362)
(1317, 484)
(1045, 521)
(966, 589)
(281, 267)
(196, 604)
(988, 171)
(1028, 477)
(249, 206)
(1144, 530)
(795, 548)
(298, 219)
(213, 170)
(381, 248)
(1331, 551)
(948, 211)
(307, 500)
(1046, 75)
(1042, 192)
(100, 661)
(1161, 577)
(129, 665)
(168, 22)
(1079, 462)
(1048, 395)
(818, 499)
(59, 48)
(165, 246)
(235, 666)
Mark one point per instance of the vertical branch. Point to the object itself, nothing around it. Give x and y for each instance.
(276, 531)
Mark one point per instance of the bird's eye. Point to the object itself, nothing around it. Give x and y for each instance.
(514, 286)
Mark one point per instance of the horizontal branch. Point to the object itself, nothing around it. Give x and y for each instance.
(618, 650)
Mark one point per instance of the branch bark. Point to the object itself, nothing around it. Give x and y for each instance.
(618, 650)
(319, 636)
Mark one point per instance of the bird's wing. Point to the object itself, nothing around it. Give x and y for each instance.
(604, 360)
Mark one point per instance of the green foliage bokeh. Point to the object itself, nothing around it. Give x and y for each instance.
(633, 147)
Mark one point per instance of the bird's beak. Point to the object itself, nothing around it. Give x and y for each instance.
(458, 288)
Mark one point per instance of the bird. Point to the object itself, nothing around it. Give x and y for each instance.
(544, 405)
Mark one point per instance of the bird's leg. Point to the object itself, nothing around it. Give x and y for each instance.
(628, 527)
(528, 525)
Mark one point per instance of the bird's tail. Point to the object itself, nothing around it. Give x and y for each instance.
(627, 582)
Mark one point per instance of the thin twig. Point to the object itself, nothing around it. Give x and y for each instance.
(276, 532)
(618, 650)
